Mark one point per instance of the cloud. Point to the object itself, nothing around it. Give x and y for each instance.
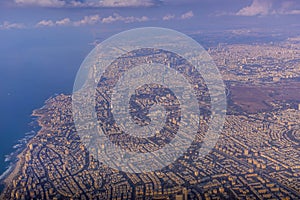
(49, 23)
(128, 3)
(116, 17)
(88, 20)
(187, 15)
(289, 8)
(45, 23)
(113, 18)
(89, 3)
(63, 22)
(42, 3)
(91, 20)
(270, 7)
(168, 17)
(7, 25)
(292, 12)
(258, 7)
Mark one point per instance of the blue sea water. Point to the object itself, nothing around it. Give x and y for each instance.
(34, 65)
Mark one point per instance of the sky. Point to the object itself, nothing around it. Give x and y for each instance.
(116, 15)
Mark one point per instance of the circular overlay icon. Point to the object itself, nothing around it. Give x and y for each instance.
(145, 97)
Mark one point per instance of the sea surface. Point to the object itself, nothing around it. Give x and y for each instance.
(33, 68)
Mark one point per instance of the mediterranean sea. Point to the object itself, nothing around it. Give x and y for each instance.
(31, 72)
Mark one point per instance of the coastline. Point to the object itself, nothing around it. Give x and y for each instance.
(13, 157)
(18, 158)
(15, 169)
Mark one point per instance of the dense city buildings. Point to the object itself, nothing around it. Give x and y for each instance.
(256, 156)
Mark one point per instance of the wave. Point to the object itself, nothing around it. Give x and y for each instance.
(12, 158)
(6, 172)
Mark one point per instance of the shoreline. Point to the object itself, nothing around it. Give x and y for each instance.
(15, 166)
(14, 157)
